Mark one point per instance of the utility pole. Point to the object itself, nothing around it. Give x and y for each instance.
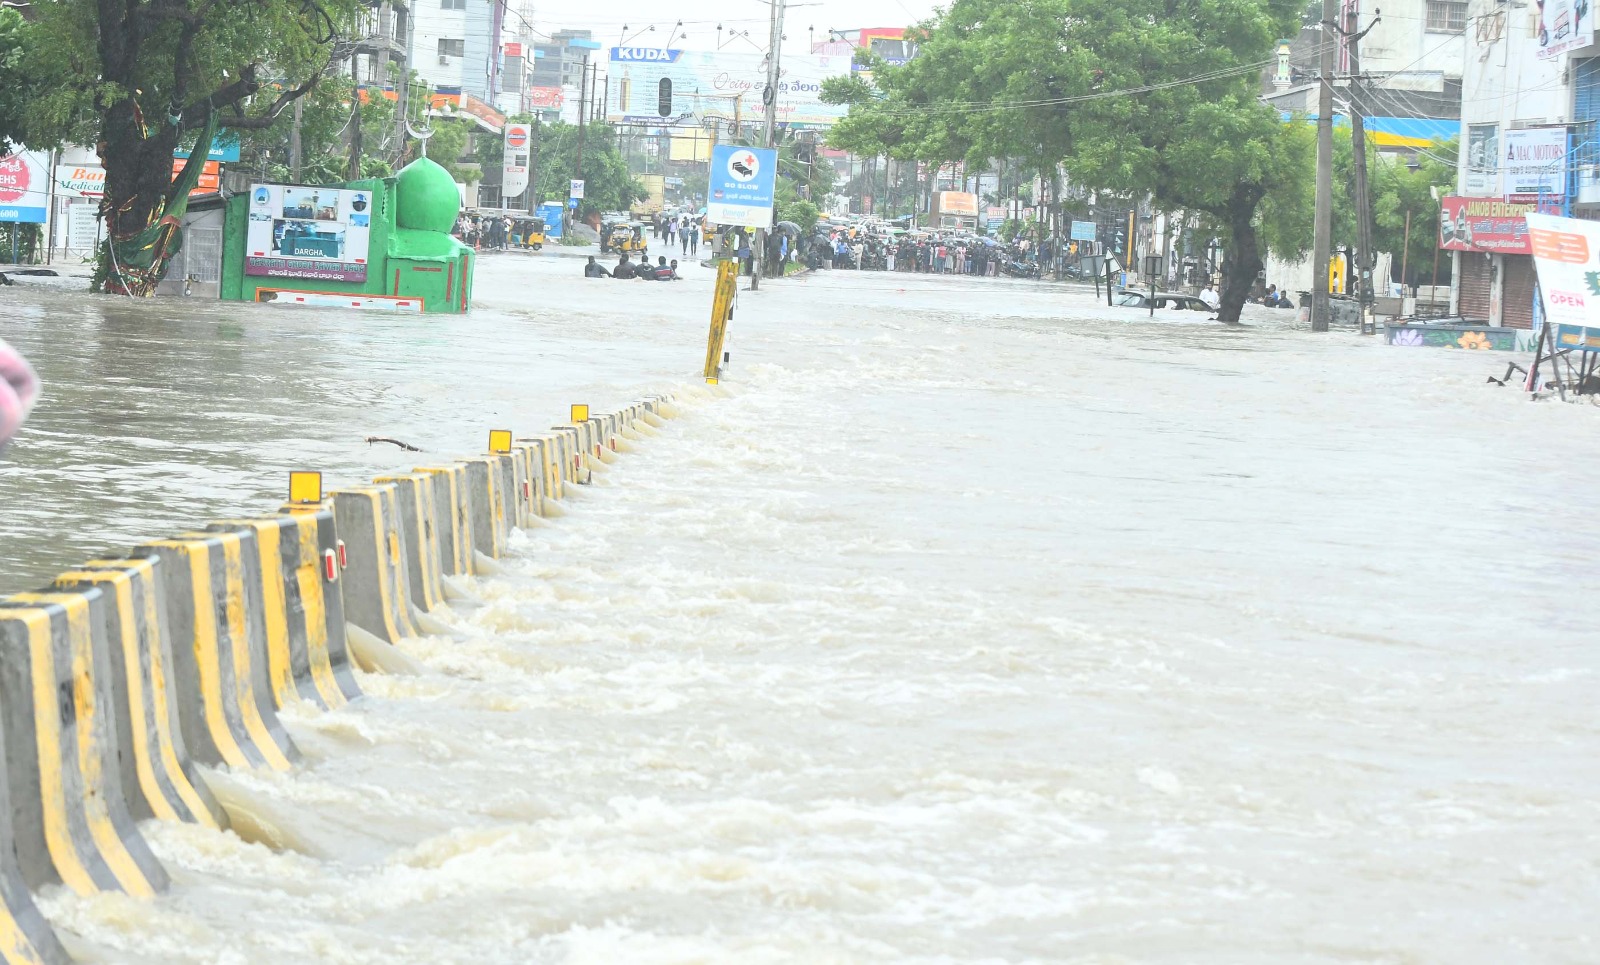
(533, 168)
(583, 114)
(1322, 238)
(1364, 258)
(355, 117)
(769, 97)
(294, 143)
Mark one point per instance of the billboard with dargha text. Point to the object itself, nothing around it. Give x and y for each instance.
(720, 83)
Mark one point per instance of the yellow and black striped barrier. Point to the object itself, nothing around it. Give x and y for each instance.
(166, 784)
(375, 583)
(124, 677)
(419, 517)
(212, 584)
(69, 820)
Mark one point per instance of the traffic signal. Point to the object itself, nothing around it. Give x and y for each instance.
(664, 97)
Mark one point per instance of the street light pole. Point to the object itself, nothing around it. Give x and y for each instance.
(769, 97)
(1322, 233)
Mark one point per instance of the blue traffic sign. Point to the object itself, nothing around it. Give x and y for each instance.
(743, 183)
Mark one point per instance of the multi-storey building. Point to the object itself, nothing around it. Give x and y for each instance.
(1530, 127)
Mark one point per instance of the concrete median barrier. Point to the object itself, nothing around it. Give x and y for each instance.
(308, 657)
(159, 778)
(488, 481)
(216, 617)
(26, 938)
(69, 820)
(453, 516)
(376, 583)
(419, 511)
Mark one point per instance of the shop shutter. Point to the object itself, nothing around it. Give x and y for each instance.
(1476, 276)
(1586, 93)
(1517, 304)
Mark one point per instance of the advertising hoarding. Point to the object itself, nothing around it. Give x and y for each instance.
(1483, 160)
(1566, 254)
(308, 232)
(1082, 231)
(958, 203)
(1483, 224)
(1533, 163)
(708, 81)
(24, 188)
(545, 98)
(743, 182)
(1561, 26)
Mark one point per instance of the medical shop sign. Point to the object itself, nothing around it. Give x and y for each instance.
(743, 182)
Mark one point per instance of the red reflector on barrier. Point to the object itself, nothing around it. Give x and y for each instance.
(344, 561)
(527, 491)
(330, 568)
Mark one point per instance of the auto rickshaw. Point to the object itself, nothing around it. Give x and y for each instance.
(528, 233)
(627, 237)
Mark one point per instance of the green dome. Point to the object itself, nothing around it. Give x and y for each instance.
(428, 200)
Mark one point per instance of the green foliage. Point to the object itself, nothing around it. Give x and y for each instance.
(802, 213)
(607, 184)
(1141, 98)
(18, 88)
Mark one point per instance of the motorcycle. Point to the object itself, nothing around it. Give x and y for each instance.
(1020, 269)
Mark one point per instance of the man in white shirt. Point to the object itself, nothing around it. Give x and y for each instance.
(1209, 296)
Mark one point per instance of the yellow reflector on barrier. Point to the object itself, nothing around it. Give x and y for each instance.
(580, 413)
(499, 440)
(305, 487)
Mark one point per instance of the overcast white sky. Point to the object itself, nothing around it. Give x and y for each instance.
(700, 19)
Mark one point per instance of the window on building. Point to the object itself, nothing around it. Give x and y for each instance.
(452, 48)
(452, 4)
(1447, 16)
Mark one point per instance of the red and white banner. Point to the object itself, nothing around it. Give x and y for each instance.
(1484, 224)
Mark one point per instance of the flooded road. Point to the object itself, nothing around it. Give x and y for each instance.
(975, 623)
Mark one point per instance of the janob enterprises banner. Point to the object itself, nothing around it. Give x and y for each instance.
(514, 170)
(1566, 253)
(1483, 224)
(743, 182)
(707, 82)
(304, 232)
(1563, 25)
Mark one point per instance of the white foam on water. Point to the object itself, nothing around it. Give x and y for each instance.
(980, 629)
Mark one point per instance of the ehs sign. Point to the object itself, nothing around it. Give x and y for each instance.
(743, 182)
(24, 188)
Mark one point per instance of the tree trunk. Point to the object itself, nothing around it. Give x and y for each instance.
(1244, 253)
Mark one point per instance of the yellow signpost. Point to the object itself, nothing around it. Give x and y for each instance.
(305, 487)
(721, 312)
(499, 440)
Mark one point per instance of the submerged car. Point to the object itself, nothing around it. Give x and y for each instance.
(1185, 303)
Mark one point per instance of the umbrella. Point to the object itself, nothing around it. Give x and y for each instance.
(788, 227)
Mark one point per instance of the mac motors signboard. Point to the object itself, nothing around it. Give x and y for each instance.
(719, 83)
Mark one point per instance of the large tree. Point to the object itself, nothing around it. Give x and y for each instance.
(607, 184)
(1138, 98)
(140, 78)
